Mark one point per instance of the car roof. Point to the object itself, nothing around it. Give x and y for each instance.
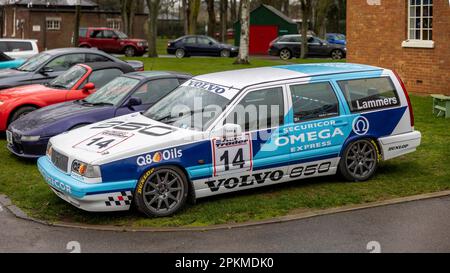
(126, 68)
(17, 40)
(243, 78)
(65, 50)
(141, 75)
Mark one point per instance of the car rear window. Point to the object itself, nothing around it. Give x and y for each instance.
(369, 94)
(13, 46)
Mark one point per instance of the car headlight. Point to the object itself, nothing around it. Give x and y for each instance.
(1, 102)
(86, 170)
(141, 44)
(49, 150)
(30, 138)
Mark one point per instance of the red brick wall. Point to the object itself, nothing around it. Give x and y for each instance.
(375, 35)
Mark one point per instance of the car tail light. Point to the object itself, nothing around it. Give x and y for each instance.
(411, 114)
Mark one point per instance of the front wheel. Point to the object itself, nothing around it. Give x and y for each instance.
(337, 54)
(130, 51)
(21, 112)
(360, 160)
(161, 191)
(225, 53)
(180, 53)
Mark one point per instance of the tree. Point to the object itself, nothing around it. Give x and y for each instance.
(194, 8)
(243, 57)
(77, 23)
(211, 17)
(223, 20)
(152, 22)
(186, 14)
(233, 10)
(306, 11)
(128, 10)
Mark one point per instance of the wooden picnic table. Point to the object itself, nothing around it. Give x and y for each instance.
(441, 105)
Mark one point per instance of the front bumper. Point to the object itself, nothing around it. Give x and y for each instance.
(100, 197)
(28, 149)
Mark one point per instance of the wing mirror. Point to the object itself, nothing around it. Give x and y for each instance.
(133, 101)
(46, 70)
(88, 87)
(228, 131)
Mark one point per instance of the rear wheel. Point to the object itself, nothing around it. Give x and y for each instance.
(130, 51)
(360, 160)
(22, 111)
(161, 191)
(225, 53)
(180, 53)
(285, 54)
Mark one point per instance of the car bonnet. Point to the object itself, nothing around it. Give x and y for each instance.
(120, 138)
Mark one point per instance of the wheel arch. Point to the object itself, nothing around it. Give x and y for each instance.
(372, 138)
(17, 107)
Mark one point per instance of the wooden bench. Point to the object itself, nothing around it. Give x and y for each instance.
(441, 105)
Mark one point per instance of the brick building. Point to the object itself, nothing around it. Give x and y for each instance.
(410, 36)
(52, 22)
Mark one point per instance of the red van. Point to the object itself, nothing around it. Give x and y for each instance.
(111, 41)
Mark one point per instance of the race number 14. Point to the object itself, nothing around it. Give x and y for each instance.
(232, 155)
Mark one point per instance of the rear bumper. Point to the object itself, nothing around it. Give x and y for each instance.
(398, 145)
(99, 197)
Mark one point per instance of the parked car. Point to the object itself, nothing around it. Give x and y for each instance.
(199, 45)
(289, 46)
(8, 62)
(336, 38)
(76, 83)
(230, 34)
(28, 136)
(47, 65)
(19, 48)
(111, 41)
(307, 121)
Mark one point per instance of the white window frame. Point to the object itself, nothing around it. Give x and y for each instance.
(53, 23)
(114, 23)
(418, 42)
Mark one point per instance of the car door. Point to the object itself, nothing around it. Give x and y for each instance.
(319, 129)
(253, 158)
(110, 41)
(190, 45)
(314, 46)
(149, 93)
(95, 38)
(57, 66)
(207, 47)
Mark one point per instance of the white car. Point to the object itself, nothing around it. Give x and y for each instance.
(236, 130)
(19, 48)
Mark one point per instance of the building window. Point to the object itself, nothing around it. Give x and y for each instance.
(114, 23)
(53, 23)
(420, 20)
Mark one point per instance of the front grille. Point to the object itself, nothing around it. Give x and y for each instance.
(60, 161)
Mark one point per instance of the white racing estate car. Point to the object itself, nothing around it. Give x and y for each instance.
(235, 130)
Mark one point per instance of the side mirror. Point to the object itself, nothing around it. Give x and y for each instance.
(46, 70)
(88, 87)
(133, 101)
(211, 43)
(228, 131)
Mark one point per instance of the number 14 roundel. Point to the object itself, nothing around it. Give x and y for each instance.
(232, 155)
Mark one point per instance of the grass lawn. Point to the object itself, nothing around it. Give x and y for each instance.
(427, 170)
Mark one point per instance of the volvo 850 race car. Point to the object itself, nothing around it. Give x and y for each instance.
(235, 130)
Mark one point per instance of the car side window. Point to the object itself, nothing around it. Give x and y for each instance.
(313, 101)
(190, 40)
(65, 62)
(259, 110)
(203, 41)
(152, 91)
(93, 58)
(369, 94)
(19, 46)
(97, 34)
(108, 34)
(101, 77)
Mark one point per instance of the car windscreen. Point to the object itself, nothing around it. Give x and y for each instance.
(34, 62)
(113, 92)
(4, 57)
(69, 78)
(188, 107)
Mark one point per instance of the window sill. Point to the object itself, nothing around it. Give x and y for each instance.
(418, 44)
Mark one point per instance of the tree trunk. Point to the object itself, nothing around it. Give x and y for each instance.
(132, 13)
(223, 20)
(194, 7)
(233, 11)
(305, 8)
(153, 9)
(186, 14)
(243, 57)
(211, 18)
(77, 24)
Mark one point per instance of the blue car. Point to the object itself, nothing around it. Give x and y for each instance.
(8, 62)
(200, 45)
(336, 38)
(126, 94)
(236, 130)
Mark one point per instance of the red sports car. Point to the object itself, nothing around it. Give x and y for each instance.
(76, 83)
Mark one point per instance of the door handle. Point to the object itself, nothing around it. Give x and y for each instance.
(340, 124)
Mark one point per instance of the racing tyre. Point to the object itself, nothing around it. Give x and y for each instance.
(225, 53)
(161, 191)
(21, 112)
(337, 54)
(180, 53)
(130, 51)
(285, 54)
(359, 161)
